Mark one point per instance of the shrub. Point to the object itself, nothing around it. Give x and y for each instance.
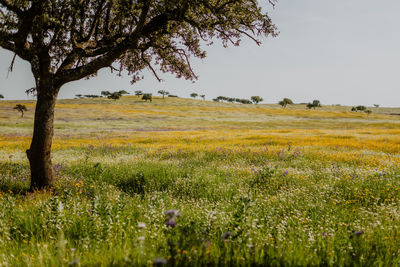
(146, 97)
(285, 102)
(256, 99)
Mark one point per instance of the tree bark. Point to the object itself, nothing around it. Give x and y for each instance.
(42, 173)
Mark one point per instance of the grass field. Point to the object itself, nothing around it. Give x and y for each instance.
(253, 185)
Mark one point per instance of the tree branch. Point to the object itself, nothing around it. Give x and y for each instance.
(131, 42)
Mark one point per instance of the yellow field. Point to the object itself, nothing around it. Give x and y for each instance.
(193, 126)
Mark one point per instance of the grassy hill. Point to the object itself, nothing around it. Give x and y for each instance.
(254, 184)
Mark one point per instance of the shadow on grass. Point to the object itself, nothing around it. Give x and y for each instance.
(134, 184)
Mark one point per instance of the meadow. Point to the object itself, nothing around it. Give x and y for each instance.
(183, 182)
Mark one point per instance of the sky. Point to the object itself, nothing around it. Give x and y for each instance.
(337, 51)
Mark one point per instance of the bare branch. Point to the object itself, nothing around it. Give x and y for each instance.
(151, 68)
(251, 37)
(10, 69)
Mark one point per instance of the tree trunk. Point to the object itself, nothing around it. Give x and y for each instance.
(42, 173)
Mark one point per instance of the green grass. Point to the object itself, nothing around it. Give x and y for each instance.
(238, 205)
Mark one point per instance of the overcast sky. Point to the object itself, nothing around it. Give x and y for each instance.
(338, 51)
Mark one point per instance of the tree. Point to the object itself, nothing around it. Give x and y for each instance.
(1, 96)
(310, 106)
(138, 93)
(194, 95)
(256, 99)
(163, 93)
(66, 41)
(123, 92)
(203, 96)
(21, 108)
(114, 95)
(359, 108)
(314, 104)
(146, 97)
(91, 96)
(376, 105)
(285, 102)
(288, 101)
(105, 93)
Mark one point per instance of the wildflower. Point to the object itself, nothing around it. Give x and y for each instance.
(170, 223)
(160, 261)
(172, 213)
(358, 233)
(74, 262)
(226, 235)
(141, 225)
(171, 216)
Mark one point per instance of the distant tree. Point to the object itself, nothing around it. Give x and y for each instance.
(285, 102)
(92, 96)
(138, 93)
(194, 95)
(79, 96)
(216, 99)
(376, 105)
(123, 92)
(256, 99)
(21, 108)
(163, 93)
(105, 93)
(245, 101)
(316, 104)
(172, 96)
(221, 98)
(114, 95)
(288, 101)
(1, 96)
(359, 108)
(203, 96)
(146, 97)
(310, 106)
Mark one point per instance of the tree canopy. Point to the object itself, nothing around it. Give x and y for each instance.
(163, 93)
(256, 99)
(75, 38)
(21, 108)
(285, 102)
